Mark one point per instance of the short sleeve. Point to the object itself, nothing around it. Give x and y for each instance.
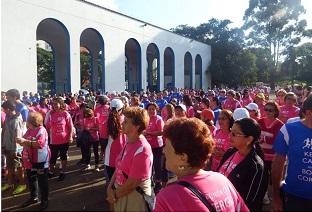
(281, 142)
(141, 164)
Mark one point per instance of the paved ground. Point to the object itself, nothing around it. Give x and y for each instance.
(80, 191)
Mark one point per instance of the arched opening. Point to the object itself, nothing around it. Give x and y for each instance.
(133, 70)
(92, 66)
(169, 72)
(153, 68)
(198, 72)
(56, 35)
(45, 67)
(188, 64)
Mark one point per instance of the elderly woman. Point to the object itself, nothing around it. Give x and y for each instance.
(132, 177)
(289, 110)
(188, 146)
(36, 159)
(243, 164)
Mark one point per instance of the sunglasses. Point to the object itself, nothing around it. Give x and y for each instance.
(269, 110)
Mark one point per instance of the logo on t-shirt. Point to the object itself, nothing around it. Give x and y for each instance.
(307, 144)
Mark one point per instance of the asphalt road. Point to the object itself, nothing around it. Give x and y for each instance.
(80, 191)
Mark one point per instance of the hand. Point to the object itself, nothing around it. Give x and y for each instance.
(20, 141)
(111, 195)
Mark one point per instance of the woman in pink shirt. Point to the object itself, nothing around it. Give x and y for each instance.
(187, 101)
(231, 103)
(101, 112)
(132, 177)
(289, 110)
(90, 124)
(60, 127)
(116, 139)
(280, 95)
(222, 137)
(189, 144)
(153, 134)
(36, 155)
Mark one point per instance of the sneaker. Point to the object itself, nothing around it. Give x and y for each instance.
(97, 169)
(6, 187)
(61, 177)
(51, 174)
(87, 168)
(19, 189)
(43, 205)
(29, 202)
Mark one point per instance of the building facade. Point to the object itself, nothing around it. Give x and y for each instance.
(126, 53)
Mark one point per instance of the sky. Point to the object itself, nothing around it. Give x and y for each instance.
(171, 13)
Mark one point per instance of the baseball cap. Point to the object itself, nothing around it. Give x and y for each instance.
(116, 103)
(182, 106)
(240, 113)
(260, 96)
(252, 106)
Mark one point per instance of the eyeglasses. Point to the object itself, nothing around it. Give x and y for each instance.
(237, 135)
(269, 110)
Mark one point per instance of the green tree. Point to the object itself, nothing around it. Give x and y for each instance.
(45, 67)
(275, 26)
(85, 64)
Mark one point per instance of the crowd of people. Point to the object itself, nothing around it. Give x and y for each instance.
(179, 150)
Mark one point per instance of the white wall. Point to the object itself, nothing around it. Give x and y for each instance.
(20, 19)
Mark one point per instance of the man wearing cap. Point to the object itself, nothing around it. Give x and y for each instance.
(294, 141)
(180, 111)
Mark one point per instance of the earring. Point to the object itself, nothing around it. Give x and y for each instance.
(181, 168)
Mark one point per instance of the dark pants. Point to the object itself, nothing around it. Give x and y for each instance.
(157, 163)
(87, 152)
(103, 144)
(295, 203)
(109, 171)
(37, 178)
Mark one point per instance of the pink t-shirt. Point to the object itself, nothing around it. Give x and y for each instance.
(222, 142)
(113, 149)
(231, 163)
(91, 125)
(2, 119)
(246, 101)
(214, 186)
(32, 155)
(42, 110)
(135, 161)
(155, 124)
(231, 104)
(102, 112)
(287, 112)
(190, 112)
(60, 126)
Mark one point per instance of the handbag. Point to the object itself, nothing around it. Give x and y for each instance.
(198, 194)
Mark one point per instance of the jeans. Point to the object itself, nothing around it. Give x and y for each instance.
(38, 178)
(157, 163)
(87, 153)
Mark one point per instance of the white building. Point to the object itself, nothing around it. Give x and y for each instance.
(125, 52)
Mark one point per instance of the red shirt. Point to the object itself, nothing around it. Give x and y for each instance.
(269, 131)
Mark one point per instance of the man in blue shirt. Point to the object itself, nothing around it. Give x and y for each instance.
(294, 142)
(161, 102)
(14, 95)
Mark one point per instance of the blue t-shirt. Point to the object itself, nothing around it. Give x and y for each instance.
(161, 103)
(216, 114)
(295, 141)
(23, 110)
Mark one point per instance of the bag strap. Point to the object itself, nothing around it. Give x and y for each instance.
(198, 194)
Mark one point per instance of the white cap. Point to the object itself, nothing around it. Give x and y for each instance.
(240, 113)
(182, 106)
(252, 106)
(116, 103)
